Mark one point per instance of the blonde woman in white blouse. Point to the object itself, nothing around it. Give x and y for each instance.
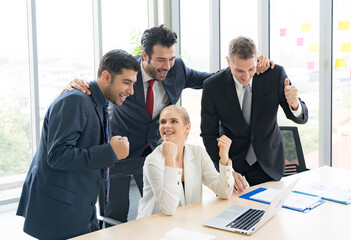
(175, 171)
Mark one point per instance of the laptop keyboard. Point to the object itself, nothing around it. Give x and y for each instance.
(246, 220)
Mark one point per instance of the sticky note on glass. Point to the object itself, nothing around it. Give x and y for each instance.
(306, 27)
(299, 42)
(313, 47)
(310, 65)
(283, 32)
(340, 62)
(346, 47)
(344, 25)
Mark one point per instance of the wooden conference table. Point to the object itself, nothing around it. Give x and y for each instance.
(328, 221)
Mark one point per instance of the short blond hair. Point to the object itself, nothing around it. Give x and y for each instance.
(243, 47)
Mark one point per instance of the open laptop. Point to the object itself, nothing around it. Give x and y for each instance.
(248, 220)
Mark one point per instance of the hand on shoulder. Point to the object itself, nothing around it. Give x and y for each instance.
(78, 84)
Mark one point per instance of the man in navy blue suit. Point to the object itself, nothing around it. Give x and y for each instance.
(61, 188)
(158, 62)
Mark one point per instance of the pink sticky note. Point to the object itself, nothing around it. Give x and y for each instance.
(310, 65)
(283, 32)
(299, 41)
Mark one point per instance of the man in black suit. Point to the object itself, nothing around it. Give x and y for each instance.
(249, 121)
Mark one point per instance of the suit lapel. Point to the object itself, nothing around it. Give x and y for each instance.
(139, 96)
(256, 95)
(232, 98)
(98, 108)
(169, 84)
(189, 167)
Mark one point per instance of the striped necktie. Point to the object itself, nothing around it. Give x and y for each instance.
(250, 156)
(107, 140)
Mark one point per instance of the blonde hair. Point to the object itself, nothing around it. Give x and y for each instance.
(181, 110)
(184, 114)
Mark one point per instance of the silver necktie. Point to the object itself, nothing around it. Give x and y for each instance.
(250, 156)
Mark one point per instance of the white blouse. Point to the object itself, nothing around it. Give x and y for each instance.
(163, 189)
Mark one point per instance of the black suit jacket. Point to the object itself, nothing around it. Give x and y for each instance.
(221, 114)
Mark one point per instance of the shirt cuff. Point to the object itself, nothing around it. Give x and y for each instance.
(226, 171)
(114, 157)
(226, 168)
(298, 112)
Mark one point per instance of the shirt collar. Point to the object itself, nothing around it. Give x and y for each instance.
(144, 75)
(239, 85)
(101, 96)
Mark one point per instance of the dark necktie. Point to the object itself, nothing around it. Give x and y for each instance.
(107, 140)
(250, 156)
(150, 98)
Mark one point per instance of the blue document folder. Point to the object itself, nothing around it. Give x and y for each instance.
(258, 190)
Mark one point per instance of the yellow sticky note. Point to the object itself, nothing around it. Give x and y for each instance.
(344, 25)
(306, 27)
(346, 47)
(313, 47)
(340, 62)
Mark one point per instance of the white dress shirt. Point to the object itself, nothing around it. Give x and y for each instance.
(161, 99)
(241, 91)
(163, 189)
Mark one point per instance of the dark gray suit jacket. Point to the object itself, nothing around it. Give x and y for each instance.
(59, 193)
(221, 114)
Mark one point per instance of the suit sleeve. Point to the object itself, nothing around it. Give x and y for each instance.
(165, 186)
(194, 79)
(221, 183)
(67, 121)
(210, 124)
(284, 104)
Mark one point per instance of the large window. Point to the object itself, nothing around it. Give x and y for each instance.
(341, 115)
(15, 130)
(238, 18)
(65, 46)
(123, 22)
(195, 43)
(195, 51)
(294, 35)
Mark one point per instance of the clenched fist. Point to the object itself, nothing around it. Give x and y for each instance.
(120, 146)
(224, 145)
(169, 151)
(291, 94)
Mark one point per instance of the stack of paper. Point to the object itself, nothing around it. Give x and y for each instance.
(295, 201)
(328, 192)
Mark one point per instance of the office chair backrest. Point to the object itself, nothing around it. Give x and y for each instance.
(294, 159)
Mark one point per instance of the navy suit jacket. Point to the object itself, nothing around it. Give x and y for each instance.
(221, 114)
(60, 191)
(132, 119)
